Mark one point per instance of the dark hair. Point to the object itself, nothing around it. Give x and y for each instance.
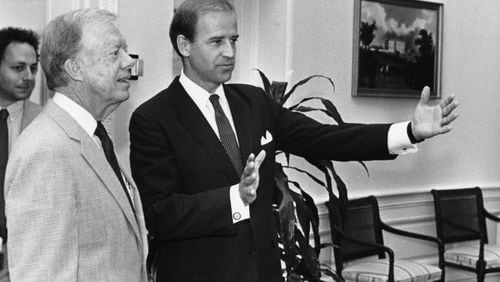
(18, 35)
(186, 17)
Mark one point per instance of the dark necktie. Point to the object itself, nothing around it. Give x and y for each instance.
(4, 155)
(109, 152)
(227, 136)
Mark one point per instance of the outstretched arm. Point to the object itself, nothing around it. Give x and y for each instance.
(429, 121)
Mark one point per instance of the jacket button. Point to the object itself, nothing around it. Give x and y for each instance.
(252, 252)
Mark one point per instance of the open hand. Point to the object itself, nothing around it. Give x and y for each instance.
(429, 121)
(249, 182)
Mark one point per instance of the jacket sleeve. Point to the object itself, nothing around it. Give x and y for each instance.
(301, 135)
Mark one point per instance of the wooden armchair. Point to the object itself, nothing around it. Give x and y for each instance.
(461, 217)
(358, 234)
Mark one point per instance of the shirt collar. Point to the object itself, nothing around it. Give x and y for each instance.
(15, 110)
(198, 94)
(81, 116)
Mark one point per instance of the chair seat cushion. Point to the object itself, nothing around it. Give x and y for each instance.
(377, 271)
(468, 255)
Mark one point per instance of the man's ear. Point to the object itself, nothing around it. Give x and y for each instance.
(73, 69)
(184, 45)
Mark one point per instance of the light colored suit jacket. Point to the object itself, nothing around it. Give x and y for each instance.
(30, 111)
(68, 216)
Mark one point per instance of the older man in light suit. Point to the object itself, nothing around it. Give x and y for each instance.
(73, 214)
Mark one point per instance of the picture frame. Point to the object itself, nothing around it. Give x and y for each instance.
(397, 48)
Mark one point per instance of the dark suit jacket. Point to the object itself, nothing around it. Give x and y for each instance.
(184, 174)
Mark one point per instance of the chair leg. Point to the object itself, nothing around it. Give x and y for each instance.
(481, 268)
(443, 274)
(480, 276)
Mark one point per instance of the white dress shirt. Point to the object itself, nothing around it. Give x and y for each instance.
(14, 121)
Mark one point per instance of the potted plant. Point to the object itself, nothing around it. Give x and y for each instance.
(300, 258)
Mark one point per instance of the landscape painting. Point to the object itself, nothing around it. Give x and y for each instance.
(397, 48)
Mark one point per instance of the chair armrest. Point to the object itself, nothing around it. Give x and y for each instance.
(411, 234)
(388, 250)
(439, 243)
(491, 216)
(354, 240)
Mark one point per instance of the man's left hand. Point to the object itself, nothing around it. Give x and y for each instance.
(429, 121)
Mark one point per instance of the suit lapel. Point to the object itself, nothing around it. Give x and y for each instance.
(30, 111)
(193, 120)
(139, 214)
(96, 160)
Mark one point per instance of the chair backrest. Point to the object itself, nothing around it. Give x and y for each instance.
(458, 212)
(362, 222)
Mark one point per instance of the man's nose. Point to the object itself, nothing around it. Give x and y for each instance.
(127, 61)
(229, 49)
(28, 74)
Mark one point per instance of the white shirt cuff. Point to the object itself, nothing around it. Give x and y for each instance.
(398, 141)
(239, 211)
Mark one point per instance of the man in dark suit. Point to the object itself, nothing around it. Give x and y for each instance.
(206, 229)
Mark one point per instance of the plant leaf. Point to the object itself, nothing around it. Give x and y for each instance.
(365, 167)
(325, 166)
(277, 90)
(314, 178)
(314, 216)
(303, 212)
(330, 110)
(304, 81)
(265, 81)
(286, 209)
(309, 265)
(327, 270)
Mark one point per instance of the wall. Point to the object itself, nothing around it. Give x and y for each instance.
(145, 27)
(317, 36)
(322, 43)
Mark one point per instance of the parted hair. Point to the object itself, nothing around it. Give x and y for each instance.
(187, 15)
(62, 40)
(19, 35)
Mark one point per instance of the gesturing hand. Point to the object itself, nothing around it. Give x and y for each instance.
(249, 181)
(429, 121)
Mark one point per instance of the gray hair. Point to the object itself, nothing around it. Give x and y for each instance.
(62, 40)
(187, 15)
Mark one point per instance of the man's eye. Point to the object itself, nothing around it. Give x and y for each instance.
(34, 69)
(18, 68)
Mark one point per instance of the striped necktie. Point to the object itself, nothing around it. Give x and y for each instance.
(109, 152)
(227, 136)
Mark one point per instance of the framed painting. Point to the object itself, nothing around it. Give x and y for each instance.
(397, 48)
